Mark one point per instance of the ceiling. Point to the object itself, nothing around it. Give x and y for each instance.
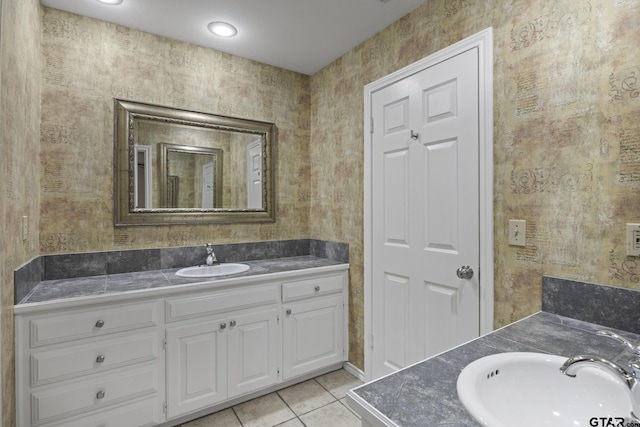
(298, 35)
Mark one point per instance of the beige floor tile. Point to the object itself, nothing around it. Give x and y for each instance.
(265, 411)
(345, 403)
(306, 396)
(224, 418)
(339, 382)
(333, 415)
(292, 423)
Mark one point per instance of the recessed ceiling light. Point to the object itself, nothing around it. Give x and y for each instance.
(110, 1)
(222, 29)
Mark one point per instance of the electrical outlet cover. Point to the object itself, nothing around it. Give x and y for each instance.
(633, 239)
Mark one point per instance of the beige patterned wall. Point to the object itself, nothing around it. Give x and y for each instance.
(566, 147)
(567, 138)
(19, 165)
(88, 63)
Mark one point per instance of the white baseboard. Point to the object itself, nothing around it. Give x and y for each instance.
(353, 370)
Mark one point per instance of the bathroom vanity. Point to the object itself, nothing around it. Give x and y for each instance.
(425, 394)
(180, 347)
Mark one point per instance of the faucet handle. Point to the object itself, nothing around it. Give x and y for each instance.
(209, 247)
(620, 338)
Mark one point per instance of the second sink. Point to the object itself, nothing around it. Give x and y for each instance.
(528, 389)
(212, 270)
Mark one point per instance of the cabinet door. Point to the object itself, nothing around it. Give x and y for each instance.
(254, 351)
(196, 366)
(313, 335)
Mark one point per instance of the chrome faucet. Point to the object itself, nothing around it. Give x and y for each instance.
(629, 375)
(211, 257)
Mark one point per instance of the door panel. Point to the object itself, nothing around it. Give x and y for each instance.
(440, 204)
(312, 335)
(253, 351)
(396, 297)
(196, 367)
(396, 191)
(396, 116)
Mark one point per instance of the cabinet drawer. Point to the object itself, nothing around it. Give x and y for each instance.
(292, 291)
(90, 323)
(219, 302)
(73, 361)
(99, 392)
(139, 414)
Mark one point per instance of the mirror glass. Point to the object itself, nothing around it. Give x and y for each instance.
(182, 167)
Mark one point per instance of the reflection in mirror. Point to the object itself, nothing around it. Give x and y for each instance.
(143, 181)
(176, 166)
(191, 177)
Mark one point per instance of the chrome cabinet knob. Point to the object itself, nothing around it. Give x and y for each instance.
(99, 323)
(223, 325)
(232, 323)
(465, 272)
(317, 288)
(100, 359)
(100, 395)
(288, 312)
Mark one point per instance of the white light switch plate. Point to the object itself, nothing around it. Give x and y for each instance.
(517, 232)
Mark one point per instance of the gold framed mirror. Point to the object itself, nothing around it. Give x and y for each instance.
(176, 166)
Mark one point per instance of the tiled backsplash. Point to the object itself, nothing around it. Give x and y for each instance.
(52, 267)
(608, 306)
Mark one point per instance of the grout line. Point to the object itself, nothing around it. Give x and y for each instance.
(290, 408)
(233, 409)
(295, 415)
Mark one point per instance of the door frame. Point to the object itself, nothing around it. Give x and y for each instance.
(483, 41)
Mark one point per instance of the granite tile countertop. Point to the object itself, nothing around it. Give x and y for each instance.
(425, 394)
(64, 289)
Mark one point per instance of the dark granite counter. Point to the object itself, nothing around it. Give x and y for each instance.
(425, 394)
(150, 264)
(61, 289)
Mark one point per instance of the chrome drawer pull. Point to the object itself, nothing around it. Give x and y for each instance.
(99, 323)
(100, 359)
(100, 395)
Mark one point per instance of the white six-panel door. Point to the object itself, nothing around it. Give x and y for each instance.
(425, 213)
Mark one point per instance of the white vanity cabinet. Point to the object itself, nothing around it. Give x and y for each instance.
(95, 363)
(229, 346)
(167, 355)
(314, 329)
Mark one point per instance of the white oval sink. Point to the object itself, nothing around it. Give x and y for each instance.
(528, 389)
(212, 270)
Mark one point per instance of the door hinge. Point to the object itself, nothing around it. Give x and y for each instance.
(278, 319)
(278, 372)
(371, 341)
(164, 407)
(371, 125)
(164, 344)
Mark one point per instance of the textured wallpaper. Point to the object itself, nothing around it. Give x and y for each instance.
(566, 147)
(566, 139)
(87, 63)
(19, 165)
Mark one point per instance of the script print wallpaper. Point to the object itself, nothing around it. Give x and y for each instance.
(566, 146)
(19, 165)
(87, 63)
(566, 139)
